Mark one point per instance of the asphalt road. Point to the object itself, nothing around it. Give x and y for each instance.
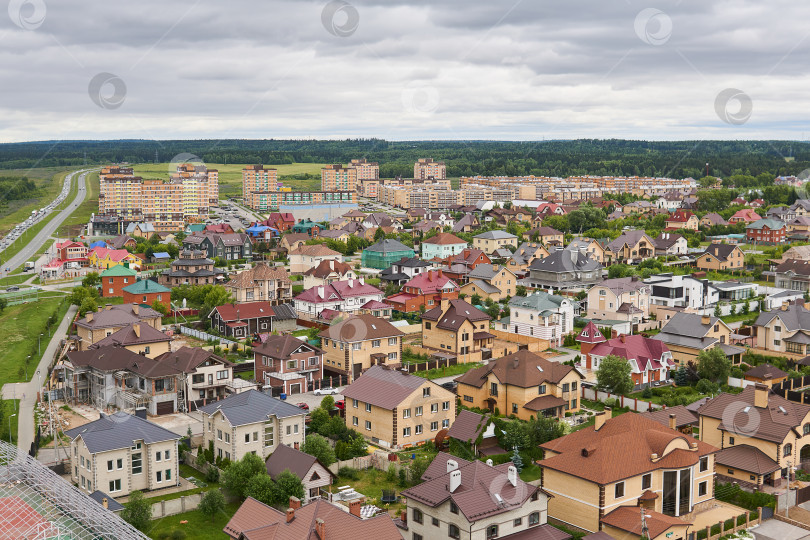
(33, 244)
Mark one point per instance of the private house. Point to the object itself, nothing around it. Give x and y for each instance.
(122, 241)
(228, 246)
(526, 252)
(147, 292)
(192, 267)
(442, 245)
(793, 274)
(314, 476)
(650, 360)
(306, 226)
(601, 475)
(339, 235)
(304, 257)
(141, 230)
(281, 221)
(394, 409)
(670, 290)
(564, 269)
(291, 241)
(592, 248)
(624, 299)
(138, 338)
(548, 236)
(470, 258)
(424, 227)
(253, 422)
(756, 453)
(376, 309)
(457, 329)
(287, 364)
(102, 258)
(490, 281)
(423, 290)
(491, 241)
(523, 384)
(122, 453)
(204, 376)
(799, 225)
(746, 215)
(385, 253)
(327, 272)
(114, 279)
(680, 417)
(312, 521)
(766, 374)
(712, 219)
(242, 320)
(669, 201)
(262, 282)
(683, 219)
(784, 330)
(474, 500)
(118, 377)
(631, 247)
(353, 345)
(73, 252)
(721, 257)
(477, 431)
(403, 270)
(97, 325)
(347, 296)
(766, 231)
(467, 223)
(686, 334)
(539, 314)
(668, 243)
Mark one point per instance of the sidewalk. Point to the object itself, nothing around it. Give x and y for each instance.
(27, 392)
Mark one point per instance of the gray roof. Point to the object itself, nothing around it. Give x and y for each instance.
(483, 271)
(620, 286)
(495, 235)
(689, 324)
(251, 407)
(387, 245)
(112, 504)
(631, 238)
(795, 317)
(484, 286)
(118, 431)
(565, 260)
(117, 315)
(538, 301)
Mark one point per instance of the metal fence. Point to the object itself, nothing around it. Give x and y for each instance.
(205, 336)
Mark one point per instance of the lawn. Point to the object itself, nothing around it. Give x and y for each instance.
(15, 279)
(21, 326)
(199, 527)
(371, 483)
(458, 369)
(48, 179)
(10, 406)
(186, 472)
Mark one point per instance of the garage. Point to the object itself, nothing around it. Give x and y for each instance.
(295, 388)
(165, 407)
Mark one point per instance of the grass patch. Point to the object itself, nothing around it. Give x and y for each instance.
(247, 375)
(199, 527)
(530, 472)
(371, 483)
(48, 179)
(15, 280)
(10, 406)
(436, 373)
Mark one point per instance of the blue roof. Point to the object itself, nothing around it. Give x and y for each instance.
(160, 255)
(99, 243)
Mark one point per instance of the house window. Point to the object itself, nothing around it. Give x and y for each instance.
(159, 476)
(416, 537)
(109, 465)
(435, 522)
(356, 346)
(434, 408)
(427, 326)
(704, 464)
(806, 429)
(468, 399)
(159, 454)
(453, 531)
(517, 522)
(406, 432)
(354, 420)
(168, 474)
(268, 434)
(446, 423)
(702, 489)
(788, 450)
(392, 341)
(541, 389)
(434, 426)
(355, 403)
(619, 490)
(646, 481)
(219, 434)
(418, 429)
(514, 408)
(446, 406)
(406, 413)
(368, 407)
(375, 343)
(731, 440)
(453, 507)
(115, 485)
(426, 392)
(419, 411)
(534, 518)
(492, 531)
(137, 465)
(368, 425)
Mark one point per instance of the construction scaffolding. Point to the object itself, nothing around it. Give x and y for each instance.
(37, 504)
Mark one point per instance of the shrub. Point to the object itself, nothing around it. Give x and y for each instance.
(348, 472)
(212, 475)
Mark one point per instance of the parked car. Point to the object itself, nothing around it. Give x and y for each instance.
(302, 405)
(340, 404)
(12, 288)
(450, 385)
(327, 390)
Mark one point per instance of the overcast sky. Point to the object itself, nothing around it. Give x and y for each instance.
(450, 69)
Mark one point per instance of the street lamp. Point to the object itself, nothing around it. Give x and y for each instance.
(9, 427)
(26, 367)
(39, 379)
(39, 343)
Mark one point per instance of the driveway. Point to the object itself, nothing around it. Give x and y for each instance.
(779, 530)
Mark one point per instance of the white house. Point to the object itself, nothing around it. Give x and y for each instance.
(345, 296)
(681, 291)
(540, 314)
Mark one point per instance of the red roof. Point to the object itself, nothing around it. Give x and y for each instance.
(645, 352)
(429, 282)
(746, 214)
(591, 334)
(680, 216)
(248, 310)
(338, 289)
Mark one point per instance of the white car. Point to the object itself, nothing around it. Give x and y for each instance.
(326, 391)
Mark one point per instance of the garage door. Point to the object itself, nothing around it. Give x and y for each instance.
(295, 388)
(165, 407)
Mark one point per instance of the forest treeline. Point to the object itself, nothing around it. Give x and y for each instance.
(677, 159)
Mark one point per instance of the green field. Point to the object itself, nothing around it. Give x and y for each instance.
(72, 226)
(230, 175)
(49, 179)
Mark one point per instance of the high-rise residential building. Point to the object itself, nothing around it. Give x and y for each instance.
(261, 189)
(366, 170)
(427, 168)
(338, 178)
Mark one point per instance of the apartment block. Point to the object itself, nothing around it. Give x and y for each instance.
(366, 170)
(261, 189)
(427, 168)
(338, 178)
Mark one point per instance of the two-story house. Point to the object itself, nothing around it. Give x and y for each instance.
(491, 241)
(423, 290)
(403, 270)
(346, 296)
(326, 272)
(721, 257)
(784, 330)
(491, 281)
(252, 422)
(97, 325)
(565, 268)
(766, 231)
(671, 290)
(526, 252)
(288, 363)
(442, 245)
(115, 278)
(304, 257)
(147, 292)
(121, 453)
(138, 338)
(455, 327)
(683, 219)
(262, 282)
(243, 320)
(353, 345)
(687, 334)
(192, 267)
(539, 314)
(624, 299)
(523, 384)
(668, 243)
(394, 409)
(591, 247)
(631, 247)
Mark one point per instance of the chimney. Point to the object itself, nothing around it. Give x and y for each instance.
(515, 362)
(452, 465)
(361, 281)
(295, 503)
(489, 462)
(135, 308)
(89, 316)
(320, 528)
(761, 392)
(104, 502)
(672, 421)
(705, 319)
(331, 264)
(137, 329)
(354, 507)
(403, 516)
(600, 418)
(290, 514)
(455, 480)
(100, 309)
(622, 338)
(351, 283)
(237, 315)
(441, 274)
(495, 267)
(445, 303)
(511, 474)
(574, 256)
(320, 291)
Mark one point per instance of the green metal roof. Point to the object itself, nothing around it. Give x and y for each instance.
(146, 286)
(118, 270)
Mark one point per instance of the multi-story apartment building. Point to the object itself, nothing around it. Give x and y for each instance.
(251, 422)
(427, 168)
(395, 409)
(584, 187)
(261, 189)
(338, 178)
(120, 453)
(366, 170)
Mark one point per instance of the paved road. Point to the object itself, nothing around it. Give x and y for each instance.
(34, 244)
(27, 392)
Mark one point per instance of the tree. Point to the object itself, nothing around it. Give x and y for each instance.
(475, 299)
(517, 461)
(516, 435)
(681, 377)
(379, 234)
(619, 271)
(717, 312)
(319, 447)
(212, 502)
(614, 376)
(520, 290)
(714, 365)
(262, 488)
(318, 420)
(327, 403)
(543, 429)
(288, 485)
(235, 478)
(158, 306)
(92, 279)
(138, 511)
(3, 304)
(417, 468)
(557, 222)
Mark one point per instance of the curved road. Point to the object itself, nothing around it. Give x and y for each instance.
(33, 245)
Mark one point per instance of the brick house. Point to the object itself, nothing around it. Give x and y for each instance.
(114, 279)
(721, 257)
(426, 289)
(766, 231)
(355, 344)
(146, 291)
(457, 328)
(288, 363)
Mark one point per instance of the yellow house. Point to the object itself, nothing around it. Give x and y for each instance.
(523, 384)
(98, 325)
(396, 410)
(598, 474)
(491, 281)
(140, 339)
(522, 258)
(490, 241)
(355, 344)
(721, 257)
(686, 334)
(456, 328)
(594, 249)
(104, 258)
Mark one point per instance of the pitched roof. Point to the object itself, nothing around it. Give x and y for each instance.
(111, 358)
(683, 416)
(119, 270)
(765, 372)
(261, 272)
(361, 327)
(117, 315)
(388, 245)
(547, 231)
(495, 235)
(457, 312)
(720, 251)
(146, 286)
(246, 310)
(622, 285)
(384, 387)
(794, 317)
(644, 353)
(468, 426)
(130, 335)
(281, 347)
(187, 359)
(591, 334)
(286, 457)
(565, 260)
(443, 239)
(747, 458)
(680, 216)
(430, 282)
(469, 256)
(715, 219)
(338, 290)
(797, 266)
(112, 504)
(772, 224)
(666, 240)
(621, 448)
(523, 369)
(118, 431)
(627, 519)
(251, 407)
(746, 214)
(314, 250)
(631, 238)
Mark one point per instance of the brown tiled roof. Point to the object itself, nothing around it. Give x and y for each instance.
(361, 327)
(539, 532)
(683, 416)
(444, 239)
(285, 457)
(746, 458)
(112, 358)
(316, 250)
(257, 521)
(245, 310)
(384, 387)
(628, 518)
(325, 268)
(117, 315)
(260, 272)
(282, 347)
(186, 359)
(774, 421)
(128, 336)
(457, 312)
(623, 447)
(765, 372)
(541, 403)
(468, 426)
(523, 369)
